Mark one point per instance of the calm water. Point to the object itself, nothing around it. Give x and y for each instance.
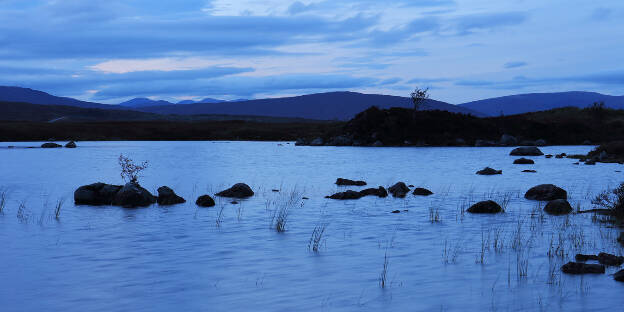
(229, 258)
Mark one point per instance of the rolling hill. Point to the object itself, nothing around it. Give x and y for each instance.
(532, 102)
(319, 106)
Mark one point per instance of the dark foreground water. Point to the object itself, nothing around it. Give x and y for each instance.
(230, 257)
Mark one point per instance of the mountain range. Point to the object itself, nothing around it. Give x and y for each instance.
(320, 106)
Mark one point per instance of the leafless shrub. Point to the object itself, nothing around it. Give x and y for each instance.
(383, 276)
(57, 208)
(22, 213)
(3, 197)
(129, 170)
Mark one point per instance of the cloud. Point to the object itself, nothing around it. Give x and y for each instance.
(515, 64)
(473, 23)
(238, 86)
(614, 78)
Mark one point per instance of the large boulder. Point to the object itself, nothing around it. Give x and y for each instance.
(609, 259)
(238, 190)
(399, 190)
(619, 276)
(205, 201)
(582, 268)
(96, 194)
(316, 142)
(541, 142)
(487, 206)
(422, 191)
(166, 196)
(558, 207)
(379, 192)
(340, 140)
(133, 195)
(523, 161)
(341, 181)
(70, 144)
(546, 192)
(346, 195)
(489, 171)
(508, 140)
(526, 151)
(50, 145)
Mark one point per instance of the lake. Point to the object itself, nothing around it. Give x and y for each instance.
(230, 257)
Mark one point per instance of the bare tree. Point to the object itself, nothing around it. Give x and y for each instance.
(130, 170)
(419, 97)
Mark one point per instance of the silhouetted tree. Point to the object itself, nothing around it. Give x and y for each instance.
(419, 97)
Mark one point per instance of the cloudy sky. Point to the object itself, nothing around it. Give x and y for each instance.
(112, 50)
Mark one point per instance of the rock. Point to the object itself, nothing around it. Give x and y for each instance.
(205, 201)
(358, 143)
(349, 194)
(620, 238)
(238, 190)
(378, 144)
(275, 190)
(396, 211)
(559, 156)
(590, 162)
(305, 198)
(484, 143)
(587, 142)
(546, 192)
(529, 170)
(96, 194)
(549, 156)
(399, 190)
(133, 195)
(50, 145)
(582, 268)
(341, 181)
(558, 207)
(619, 276)
(526, 151)
(422, 191)
(340, 140)
(603, 156)
(609, 259)
(166, 196)
(487, 206)
(301, 141)
(489, 171)
(523, 161)
(541, 142)
(583, 258)
(508, 140)
(379, 192)
(316, 142)
(460, 142)
(70, 144)
(233, 202)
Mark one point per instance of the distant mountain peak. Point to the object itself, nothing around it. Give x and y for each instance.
(144, 102)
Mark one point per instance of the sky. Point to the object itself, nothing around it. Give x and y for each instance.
(109, 51)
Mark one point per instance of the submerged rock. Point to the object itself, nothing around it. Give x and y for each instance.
(558, 207)
(379, 192)
(422, 191)
(399, 190)
(341, 181)
(166, 196)
(96, 194)
(50, 145)
(526, 151)
(529, 170)
(70, 144)
(486, 206)
(546, 192)
(133, 195)
(489, 171)
(609, 259)
(549, 156)
(238, 190)
(349, 194)
(582, 268)
(205, 201)
(523, 161)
